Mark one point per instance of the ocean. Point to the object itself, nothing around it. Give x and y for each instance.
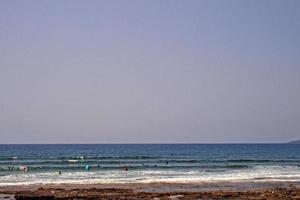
(147, 163)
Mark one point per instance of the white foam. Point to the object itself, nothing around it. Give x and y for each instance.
(259, 173)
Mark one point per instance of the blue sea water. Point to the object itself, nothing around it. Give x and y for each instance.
(148, 163)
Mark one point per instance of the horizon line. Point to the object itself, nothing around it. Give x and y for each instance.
(137, 143)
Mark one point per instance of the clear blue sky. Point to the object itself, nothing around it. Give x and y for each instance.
(149, 71)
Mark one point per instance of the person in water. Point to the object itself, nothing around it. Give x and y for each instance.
(126, 169)
(87, 167)
(23, 168)
(10, 168)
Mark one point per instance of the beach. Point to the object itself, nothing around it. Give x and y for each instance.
(156, 191)
(148, 171)
(149, 100)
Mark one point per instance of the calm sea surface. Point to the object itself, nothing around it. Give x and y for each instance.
(106, 163)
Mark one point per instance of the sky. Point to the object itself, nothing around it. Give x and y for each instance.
(155, 71)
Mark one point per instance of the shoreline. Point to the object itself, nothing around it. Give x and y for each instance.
(163, 186)
(224, 190)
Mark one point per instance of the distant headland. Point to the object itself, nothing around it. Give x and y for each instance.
(294, 142)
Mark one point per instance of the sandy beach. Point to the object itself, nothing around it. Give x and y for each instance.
(155, 191)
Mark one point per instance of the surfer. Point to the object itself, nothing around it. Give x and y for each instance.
(87, 167)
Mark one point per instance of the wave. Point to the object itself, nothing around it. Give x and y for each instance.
(265, 160)
(109, 157)
(143, 176)
(160, 158)
(15, 158)
(81, 167)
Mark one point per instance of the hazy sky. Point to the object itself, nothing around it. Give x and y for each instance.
(149, 71)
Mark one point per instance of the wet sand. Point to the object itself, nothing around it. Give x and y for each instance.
(156, 191)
